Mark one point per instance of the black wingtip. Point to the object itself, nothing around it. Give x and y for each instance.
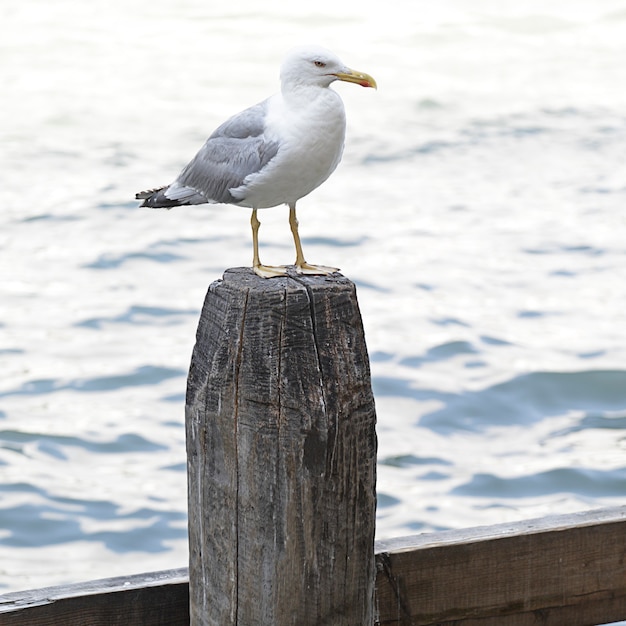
(143, 195)
(154, 199)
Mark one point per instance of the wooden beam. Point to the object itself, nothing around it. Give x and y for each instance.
(555, 571)
(281, 447)
(566, 570)
(155, 599)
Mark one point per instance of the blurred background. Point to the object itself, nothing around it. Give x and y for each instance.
(479, 209)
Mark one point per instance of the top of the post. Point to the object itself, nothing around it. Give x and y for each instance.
(245, 278)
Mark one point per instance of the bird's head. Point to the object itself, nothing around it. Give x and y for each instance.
(316, 66)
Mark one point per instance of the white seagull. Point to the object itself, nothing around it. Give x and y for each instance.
(273, 153)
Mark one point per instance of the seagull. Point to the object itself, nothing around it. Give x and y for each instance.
(274, 152)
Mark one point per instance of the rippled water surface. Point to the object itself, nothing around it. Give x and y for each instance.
(479, 209)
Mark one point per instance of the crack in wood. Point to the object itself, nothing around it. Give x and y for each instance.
(236, 446)
(403, 610)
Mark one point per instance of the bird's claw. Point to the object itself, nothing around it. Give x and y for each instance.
(315, 270)
(275, 271)
(270, 271)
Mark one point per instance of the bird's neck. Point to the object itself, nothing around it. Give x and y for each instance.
(302, 94)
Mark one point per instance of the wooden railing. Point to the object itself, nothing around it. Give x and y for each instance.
(556, 571)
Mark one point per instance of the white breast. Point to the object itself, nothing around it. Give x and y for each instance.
(310, 127)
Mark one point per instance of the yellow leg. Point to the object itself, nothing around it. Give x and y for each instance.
(302, 267)
(264, 271)
(293, 224)
(254, 222)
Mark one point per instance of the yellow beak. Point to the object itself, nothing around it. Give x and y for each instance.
(360, 78)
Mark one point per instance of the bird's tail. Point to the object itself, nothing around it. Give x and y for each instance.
(156, 198)
(169, 196)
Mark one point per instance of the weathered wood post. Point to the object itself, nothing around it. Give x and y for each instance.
(281, 447)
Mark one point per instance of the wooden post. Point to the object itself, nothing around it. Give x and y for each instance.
(281, 447)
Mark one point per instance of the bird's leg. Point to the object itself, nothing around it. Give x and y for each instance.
(264, 271)
(302, 267)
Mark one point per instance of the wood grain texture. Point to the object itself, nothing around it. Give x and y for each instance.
(281, 455)
(154, 599)
(555, 571)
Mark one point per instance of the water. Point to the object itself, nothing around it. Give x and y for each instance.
(479, 209)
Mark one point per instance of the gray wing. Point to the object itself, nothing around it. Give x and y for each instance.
(236, 149)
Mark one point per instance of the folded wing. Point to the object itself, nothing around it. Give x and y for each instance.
(235, 150)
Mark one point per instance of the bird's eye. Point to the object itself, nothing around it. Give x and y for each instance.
(319, 63)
